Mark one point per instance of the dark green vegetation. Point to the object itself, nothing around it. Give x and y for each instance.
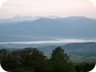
(78, 52)
(33, 60)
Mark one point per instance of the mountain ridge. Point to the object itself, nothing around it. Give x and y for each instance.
(44, 28)
(30, 18)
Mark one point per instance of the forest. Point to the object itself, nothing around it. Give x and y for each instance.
(33, 60)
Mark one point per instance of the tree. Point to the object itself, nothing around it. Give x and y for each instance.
(11, 61)
(25, 60)
(34, 59)
(84, 66)
(61, 62)
(3, 53)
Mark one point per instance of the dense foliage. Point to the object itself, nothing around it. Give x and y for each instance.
(33, 60)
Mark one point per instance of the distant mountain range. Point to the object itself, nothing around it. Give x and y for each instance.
(29, 29)
(18, 19)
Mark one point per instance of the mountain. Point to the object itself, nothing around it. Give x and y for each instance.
(48, 29)
(18, 19)
(78, 52)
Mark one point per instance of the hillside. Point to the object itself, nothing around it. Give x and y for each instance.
(77, 51)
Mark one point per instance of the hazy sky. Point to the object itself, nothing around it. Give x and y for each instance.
(61, 8)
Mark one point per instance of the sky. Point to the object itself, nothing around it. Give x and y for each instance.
(58, 8)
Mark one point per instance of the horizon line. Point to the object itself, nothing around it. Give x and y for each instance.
(50, 17)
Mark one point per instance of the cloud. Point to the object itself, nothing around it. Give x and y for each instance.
(51, 41)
